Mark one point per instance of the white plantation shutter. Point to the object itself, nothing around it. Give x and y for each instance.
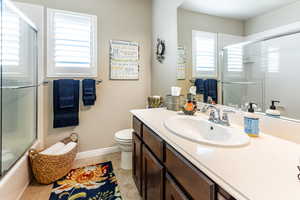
(72, 44)
(204, 54)
(273, 59)
(235, 59)
(10, 41)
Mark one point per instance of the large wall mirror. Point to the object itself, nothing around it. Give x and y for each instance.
(248, 53)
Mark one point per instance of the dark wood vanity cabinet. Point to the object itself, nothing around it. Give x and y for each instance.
(161, 173)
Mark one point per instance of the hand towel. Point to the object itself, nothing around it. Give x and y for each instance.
(65, 103)
(199, 83)
(89, 92)
(66, 95)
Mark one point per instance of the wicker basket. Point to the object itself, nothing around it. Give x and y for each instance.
(49, 168)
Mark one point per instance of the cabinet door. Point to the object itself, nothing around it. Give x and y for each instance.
(153, 177)
(137, 162)
(172, 190)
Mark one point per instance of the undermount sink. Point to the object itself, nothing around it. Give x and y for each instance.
(201, 130)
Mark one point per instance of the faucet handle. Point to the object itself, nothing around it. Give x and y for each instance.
(225, 119)
(228, 110)
(211, 115)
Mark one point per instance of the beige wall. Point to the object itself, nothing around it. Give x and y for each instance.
(117, 19)
(188, 21)
(279, 17)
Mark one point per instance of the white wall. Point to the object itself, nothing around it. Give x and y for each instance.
(188, 20)
(164, 24)
(279, 17)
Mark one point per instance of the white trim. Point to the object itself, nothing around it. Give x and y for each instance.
(10, 5)
(204, 74)
(92, 71)
(97, 152)
(278, 31)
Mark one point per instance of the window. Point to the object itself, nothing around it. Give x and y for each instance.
(235, 59)
(273, 60)
(72, 44)
(204, 54)
(10, 41)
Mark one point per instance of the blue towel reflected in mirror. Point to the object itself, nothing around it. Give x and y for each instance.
(211, 90)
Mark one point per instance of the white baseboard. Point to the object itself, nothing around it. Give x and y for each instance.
(97, 152)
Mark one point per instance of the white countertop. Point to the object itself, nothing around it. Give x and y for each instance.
(266, 169)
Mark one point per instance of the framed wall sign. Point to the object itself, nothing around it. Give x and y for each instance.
(181, 63)
(124, 57)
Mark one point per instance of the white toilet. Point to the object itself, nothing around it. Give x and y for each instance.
(124, 139)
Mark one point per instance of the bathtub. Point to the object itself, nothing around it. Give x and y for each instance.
(16, 180)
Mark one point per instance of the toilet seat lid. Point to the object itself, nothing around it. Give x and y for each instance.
(125, 134)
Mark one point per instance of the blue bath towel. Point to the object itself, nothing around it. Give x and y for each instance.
(65, 103)
(89, 92)
(199, 83)
(211, 90)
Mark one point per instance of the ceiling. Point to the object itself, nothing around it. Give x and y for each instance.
(237, 9)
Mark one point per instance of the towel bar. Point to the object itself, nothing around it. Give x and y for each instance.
(193, 80)
(48, 81)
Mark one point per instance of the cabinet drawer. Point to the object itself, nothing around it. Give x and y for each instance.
(195, 183)
(172, 190)
(137, 126)
(154, 143)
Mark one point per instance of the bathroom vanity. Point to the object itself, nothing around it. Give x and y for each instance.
(161, 172)
(166, 166)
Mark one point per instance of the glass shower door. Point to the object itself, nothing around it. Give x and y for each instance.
(19, 86)
(243, 76)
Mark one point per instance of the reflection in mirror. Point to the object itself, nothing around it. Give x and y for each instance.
(269, 72)
(202, 37)
(248, 52)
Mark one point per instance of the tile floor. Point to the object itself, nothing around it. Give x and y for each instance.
(36, 191)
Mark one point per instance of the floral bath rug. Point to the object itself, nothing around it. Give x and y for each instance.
(95, 182)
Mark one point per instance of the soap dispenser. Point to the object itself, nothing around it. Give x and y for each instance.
(251, 122)
(273, 112)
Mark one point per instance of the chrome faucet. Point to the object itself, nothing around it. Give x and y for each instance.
(215, 115)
